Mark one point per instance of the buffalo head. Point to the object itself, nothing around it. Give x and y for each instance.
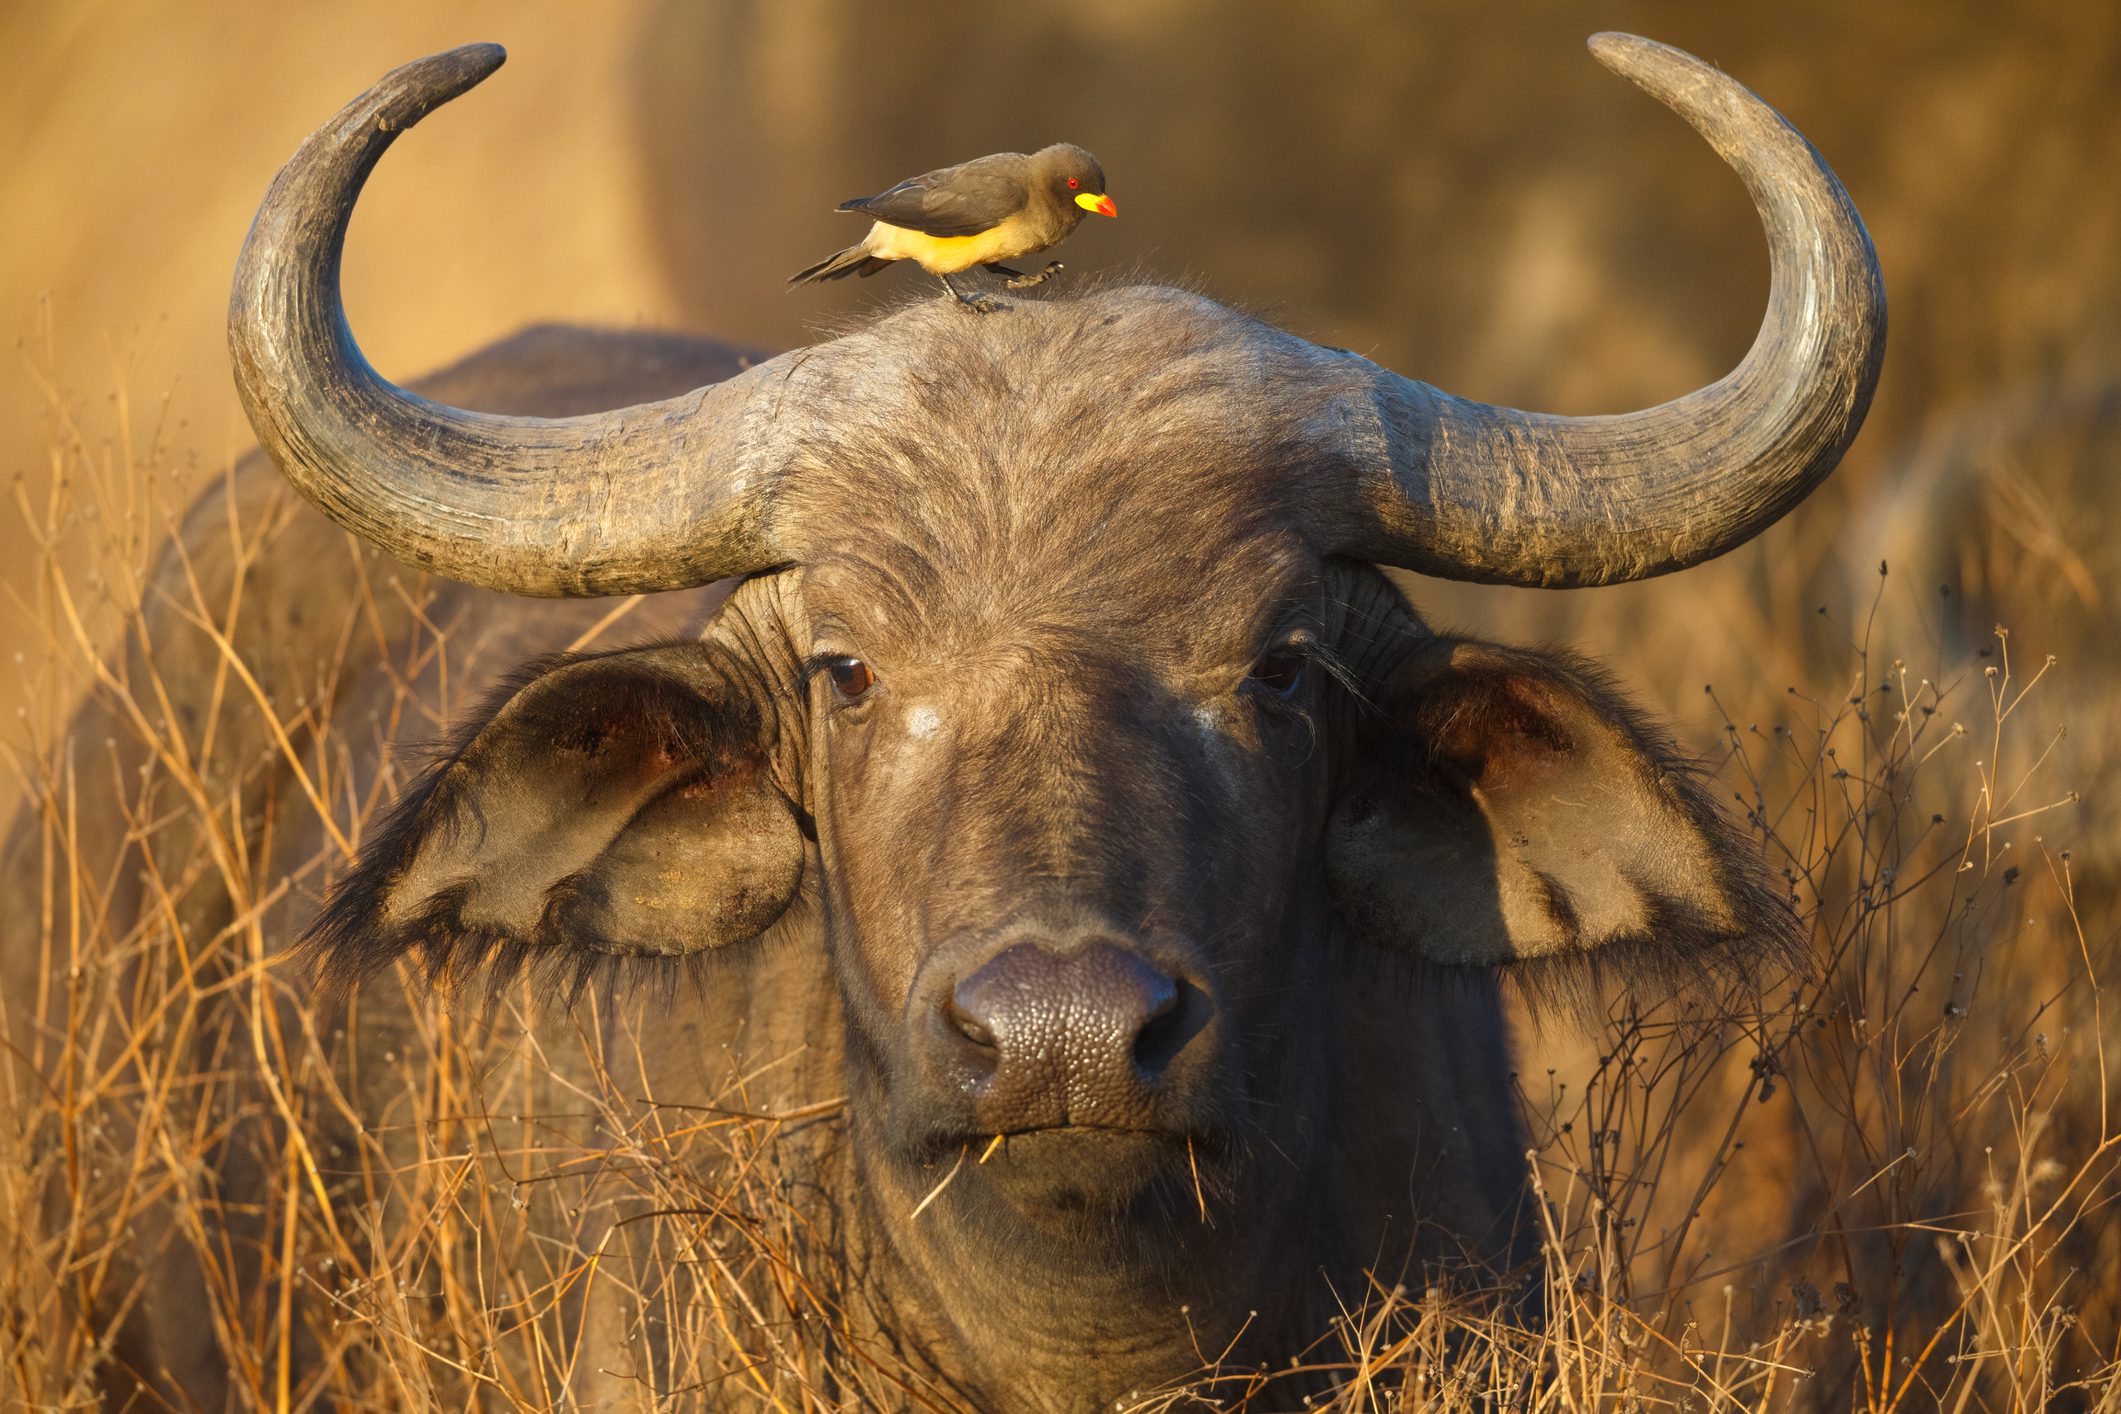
(1063, 694)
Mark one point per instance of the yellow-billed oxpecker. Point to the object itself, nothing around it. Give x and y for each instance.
(981, 212)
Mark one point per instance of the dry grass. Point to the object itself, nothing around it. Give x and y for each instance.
(1889, 1185)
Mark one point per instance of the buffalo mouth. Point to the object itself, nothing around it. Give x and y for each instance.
(1055, 1174)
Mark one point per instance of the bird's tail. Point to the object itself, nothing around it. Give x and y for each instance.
(854, 260)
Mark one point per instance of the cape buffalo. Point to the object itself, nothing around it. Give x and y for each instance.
(1061, 782)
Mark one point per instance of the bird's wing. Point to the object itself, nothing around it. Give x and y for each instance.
(957, 201)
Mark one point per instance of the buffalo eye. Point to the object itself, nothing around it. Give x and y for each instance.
(851, 678)
(1279, 674)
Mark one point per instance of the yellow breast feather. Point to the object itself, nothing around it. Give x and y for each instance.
(946, 255)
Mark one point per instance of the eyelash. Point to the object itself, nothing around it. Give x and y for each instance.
(1290, 663)
(830, 664)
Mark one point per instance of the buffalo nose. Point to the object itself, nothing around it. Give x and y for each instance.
(1051, 1038)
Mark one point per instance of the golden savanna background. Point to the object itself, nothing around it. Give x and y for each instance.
(1890, 1184)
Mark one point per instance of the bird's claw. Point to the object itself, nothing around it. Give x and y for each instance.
(1025, 282)
(973, 300)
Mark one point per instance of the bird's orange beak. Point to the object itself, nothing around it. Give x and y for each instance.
(1096, 201)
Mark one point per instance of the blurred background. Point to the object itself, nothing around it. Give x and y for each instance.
(1455, 189)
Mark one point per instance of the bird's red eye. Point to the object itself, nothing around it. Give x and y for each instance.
(851, 678)
(1073, 184)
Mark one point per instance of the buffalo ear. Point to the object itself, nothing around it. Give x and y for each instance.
(623, 805)
(1509, 805)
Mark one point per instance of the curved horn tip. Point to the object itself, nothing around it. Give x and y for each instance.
(476, 60)
(414, 90)
(1643, 62)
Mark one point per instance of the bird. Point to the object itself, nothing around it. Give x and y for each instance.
(983, 212)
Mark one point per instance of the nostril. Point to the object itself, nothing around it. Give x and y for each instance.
(1163, 1031)
(967, 1025)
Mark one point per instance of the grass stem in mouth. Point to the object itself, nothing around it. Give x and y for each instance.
(936, 1192)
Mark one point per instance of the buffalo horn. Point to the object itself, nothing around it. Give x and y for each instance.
(659, 496)
(1465, 490)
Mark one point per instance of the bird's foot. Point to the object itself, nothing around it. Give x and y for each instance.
(975, 301)
(1025, 282)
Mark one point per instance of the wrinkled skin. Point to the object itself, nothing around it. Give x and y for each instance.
(1120, 711)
